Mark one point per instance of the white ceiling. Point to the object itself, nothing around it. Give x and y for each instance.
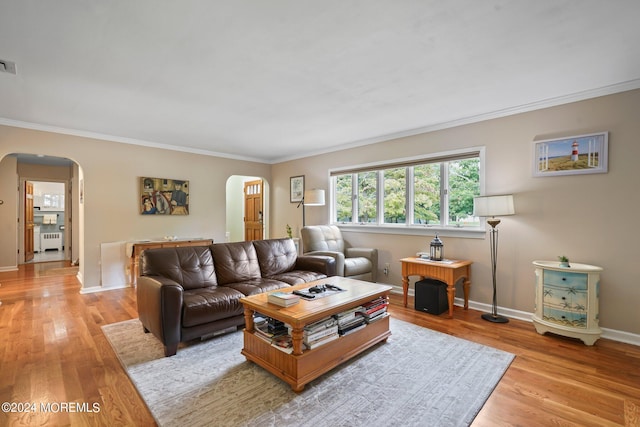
(280, 79)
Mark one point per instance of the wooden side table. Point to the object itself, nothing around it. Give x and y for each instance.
(447, 271)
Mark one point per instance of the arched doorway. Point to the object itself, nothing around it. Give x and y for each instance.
(55, 212)
(236, 202)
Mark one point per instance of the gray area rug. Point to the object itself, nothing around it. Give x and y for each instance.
(419, 377)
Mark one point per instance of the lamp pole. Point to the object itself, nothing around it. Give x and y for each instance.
(311, 198)
(493, 241)
(302, 203)
(492, 206)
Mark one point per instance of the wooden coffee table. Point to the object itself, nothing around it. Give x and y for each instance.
(301, 367)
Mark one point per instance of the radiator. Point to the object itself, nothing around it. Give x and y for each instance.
(114, 262)
(50, 241)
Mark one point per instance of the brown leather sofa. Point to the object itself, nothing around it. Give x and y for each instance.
(192, 292)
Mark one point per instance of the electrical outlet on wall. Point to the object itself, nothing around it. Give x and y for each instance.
(386, 269)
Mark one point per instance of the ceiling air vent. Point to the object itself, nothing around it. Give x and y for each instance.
(7, 66)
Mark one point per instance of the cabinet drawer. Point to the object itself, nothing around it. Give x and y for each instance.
(570, 318)
(561, 278)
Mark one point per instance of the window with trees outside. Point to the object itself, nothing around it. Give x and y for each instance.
(436, 192)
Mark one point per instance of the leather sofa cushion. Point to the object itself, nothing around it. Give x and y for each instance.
(296, 277)
(206, 305)
(356, 266)
(276, 256)
(257, 286)
(235, 262)
(190, 266)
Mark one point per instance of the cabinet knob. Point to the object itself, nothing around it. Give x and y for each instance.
(564, 278)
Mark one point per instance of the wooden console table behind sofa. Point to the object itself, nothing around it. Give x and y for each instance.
(134, 249)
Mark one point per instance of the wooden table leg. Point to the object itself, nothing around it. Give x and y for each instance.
(132, 273)
(298, 388)
(451, 292)
(248, 319)
(296, 338)
(465, 287)
(405, 289)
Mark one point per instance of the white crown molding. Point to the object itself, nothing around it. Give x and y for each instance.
(123, 140)
(546, 103)
(539, 105)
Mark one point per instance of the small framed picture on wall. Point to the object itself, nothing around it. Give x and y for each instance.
(296, 188)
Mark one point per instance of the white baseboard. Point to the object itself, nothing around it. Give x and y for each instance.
(91, 290)
(621, 336)
(612, 334)
(94, 289)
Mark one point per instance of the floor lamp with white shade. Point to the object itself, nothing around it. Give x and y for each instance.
(493, 206)
(311, 198)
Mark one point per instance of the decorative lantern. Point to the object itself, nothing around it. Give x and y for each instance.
(436, 249)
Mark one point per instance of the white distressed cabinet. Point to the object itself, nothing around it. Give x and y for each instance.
(567, 300)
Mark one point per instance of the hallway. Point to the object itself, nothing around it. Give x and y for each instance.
(46, 256)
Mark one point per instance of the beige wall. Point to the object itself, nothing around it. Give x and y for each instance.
(590, 218)
(111, 174)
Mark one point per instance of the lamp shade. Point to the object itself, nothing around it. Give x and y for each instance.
(314, 198)
(493, 205)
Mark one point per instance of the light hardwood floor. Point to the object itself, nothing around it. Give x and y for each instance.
(52, 351)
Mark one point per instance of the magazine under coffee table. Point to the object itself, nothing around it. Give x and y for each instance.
(302, 366)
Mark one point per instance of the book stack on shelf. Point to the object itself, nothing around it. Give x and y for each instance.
(274, 332)
(350, 321)
(266, 329)
(283, 343)
(374, 310)
(320, 332)
(283, 299)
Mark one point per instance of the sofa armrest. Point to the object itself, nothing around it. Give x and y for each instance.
(369, 253)
(318, 263)
(160, 307)
(337, 256)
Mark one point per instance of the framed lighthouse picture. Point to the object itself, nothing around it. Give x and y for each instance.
(571, 155)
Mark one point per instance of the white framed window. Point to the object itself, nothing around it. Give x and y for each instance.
(53, 201)
(403, 196)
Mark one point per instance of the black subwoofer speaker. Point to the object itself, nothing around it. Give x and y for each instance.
(431, 296)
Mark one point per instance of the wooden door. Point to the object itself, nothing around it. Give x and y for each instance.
(28, 221)
(253, 211)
